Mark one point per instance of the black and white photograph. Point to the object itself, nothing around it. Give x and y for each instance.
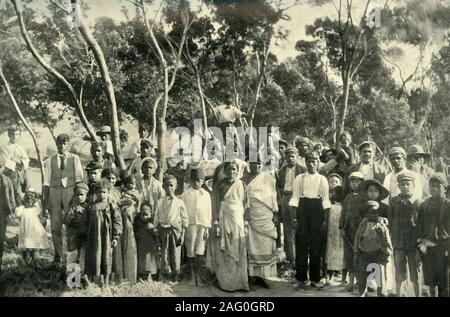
(231, 149)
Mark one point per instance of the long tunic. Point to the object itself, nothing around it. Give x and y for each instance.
(335, 241)
(229, 252)
(262, 233)
(100, 228)
(32, 234)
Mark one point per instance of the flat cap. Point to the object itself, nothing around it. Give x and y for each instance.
(397, 150)
(291, 149)
(438, 178)
(312, 155)
(357, 175)
(366, 144)
(94, 166)
(406, 175)
(81, 185)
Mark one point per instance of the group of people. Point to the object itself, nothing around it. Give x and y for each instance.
(335, 212)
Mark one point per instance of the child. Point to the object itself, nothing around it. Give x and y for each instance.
(198, 205)
(349, 223)
(403, 211)
(32, 234)
(310, 200)
(102, 227)
(171, 220)
(147, 244)
(372, 246)
(73, 219)
(373, 190)
(111, 176)
(433, 236)
(94, 176)
(149, 187)
(335, 243)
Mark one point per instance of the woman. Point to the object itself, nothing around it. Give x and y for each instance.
(227, 252)
(262, 233)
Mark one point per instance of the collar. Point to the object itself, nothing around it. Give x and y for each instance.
(410, 199)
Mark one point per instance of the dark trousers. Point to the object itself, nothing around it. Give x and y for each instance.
(435, 269)
(308, 239)
(362, 261)
(2, 235)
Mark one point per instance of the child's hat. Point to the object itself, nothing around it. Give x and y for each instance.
(357, 175)
(335, 175)
(372, 204)
(291, 149)
(197, 173)
(82, 186)
(31, 190)
(438, 178)
(94, 166)
(384, 193)
(406, 175)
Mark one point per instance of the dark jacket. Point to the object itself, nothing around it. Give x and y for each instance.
(433, 221)
(402, 217)
(281, 175)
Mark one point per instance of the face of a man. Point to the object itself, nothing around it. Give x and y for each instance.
(97, 153)
(418, 158)
(282, 150)
(398, 162)
(13, 136)
(302, 148)
(290, 159)
(63, 146)
(312, 164)
(232, 172)
(367, 154)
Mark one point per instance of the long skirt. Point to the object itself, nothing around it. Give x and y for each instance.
(335, 241)
(262, 255)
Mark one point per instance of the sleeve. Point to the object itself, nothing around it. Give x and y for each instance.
(208, 210)
(184, 215)
(11, 195)
(420, 224)
(293, 202)
(47, 172)
(325, 168)
(342, 218)
(157, 212)
(18, 211)
(326, 203)
(79, 176)
(24, 158)
(358, 234)
(387, 240)
(116, 222)
(69, 216)
(391, 213)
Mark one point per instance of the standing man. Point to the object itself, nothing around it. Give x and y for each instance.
(62, 171)
(18, 155)
(310, 200)
(7, 206)
(416, 158)
(285, 181)
(397, 156)
(368, 167)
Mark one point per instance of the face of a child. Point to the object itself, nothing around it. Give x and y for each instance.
(131, 184)
(95, 175)
(255, 167)
(290, 159)
(373, 193)
(170, 186)
(344, 142)
(333, 182)
(80, 195)
(97, 153)
(112, 179)
(312, 164)
(29, 199)
(406, 187)
(197, 183)
(103, 194)
(231, 171)
(146, 150)
(354, 184)
(13, 136)
(146, 212)
(148, 169)
(437, 189)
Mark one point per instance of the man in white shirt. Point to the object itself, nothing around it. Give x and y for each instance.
(18, 155)
(310, 200)
(397, 156)
(62, 171)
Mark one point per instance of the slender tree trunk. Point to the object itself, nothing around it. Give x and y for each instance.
(345, 102)
(154, 112)
(109, 91)
(25, 123)
(77, 102)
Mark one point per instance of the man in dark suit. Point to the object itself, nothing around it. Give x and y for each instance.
(7, 206)
(367, 166)
(285, 179)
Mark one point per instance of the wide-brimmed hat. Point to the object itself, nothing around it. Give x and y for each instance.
(384, 193)
(106, 129)
(417, 149)
(325, 152)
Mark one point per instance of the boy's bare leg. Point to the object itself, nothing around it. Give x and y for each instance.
(192, 271)
(198, 266)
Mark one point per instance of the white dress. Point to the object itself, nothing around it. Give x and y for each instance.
(32, 234)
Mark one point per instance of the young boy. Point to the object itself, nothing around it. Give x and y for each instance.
(73, 220)
(101, 229)
(349, 223)
(149, 187)
(310, 200)
(171, 220)
(402, 216)
(94, 176)
(433, 236)
(198, 205)
(147, 244)
(372, 246)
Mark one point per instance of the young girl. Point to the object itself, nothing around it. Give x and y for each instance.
(111, 177)
(32, 234)
(335, 241)
(147, 244)
(102, 227)
(373, 190)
